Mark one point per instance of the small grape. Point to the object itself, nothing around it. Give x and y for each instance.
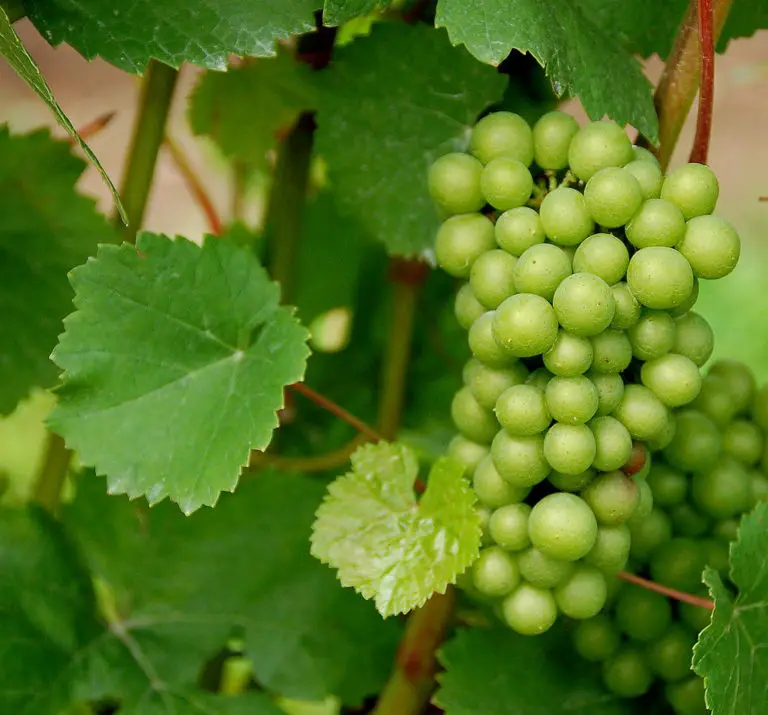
(520, 460)
(522, 410)
(571, 482)
(626, 673)
(509, 526)
(724, 490)
(613, 197)
(611, 550)
(502, 134)
(612, 352)
(653, 335)
(648, 175)
(525, 325)
(596, 146)
(613, 443)
(759, 486)
(645, 505)
(569, 448)
(541, 570)
(693, 188)
(492, 490)
(716, 400)
(687, 521)
(657, 223)
(495, 572)
(583, 304)
(739, 379)
(467, 452)
(610, 390)
(471, 419)
(552, 135)
(744, 441)
(571, 400)
(541, 269)
(711, 245)
(641, 412)
(565, 217)
(603, 255)
(687, 696)
(696, 444)
(759, 407)
(696, 617)
(693, 338)
(484, 346)
(627, 307)
(643, 615)
(727, 529)
(688, 303)
(518, 229)
(641, 154)
(506, 183)
(562, 526)
(492, 277)
(669, 485)
(613, 497)
(583, 594)
(673, 378)
(596, 639)
(540, 378)
(679, 564)
(669, 656)
(569, 356)
(660, 277)
(454, 183)
(649, 534)
(529, 610)
(662, 439)
(467, 307)
(716, 554)
(461, 240)
(486, 383)
(484, 513)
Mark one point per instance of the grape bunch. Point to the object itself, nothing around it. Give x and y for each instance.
(712, 472)
(580, 263)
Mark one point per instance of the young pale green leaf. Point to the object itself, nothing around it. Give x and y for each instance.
(497, 672)
(47, 228)
(128, 33)
(243, 109)
(732, 652)
(12, 49)
(336, 12)
(383, 542)
(390, 104)
(175, 364)
(580, 57)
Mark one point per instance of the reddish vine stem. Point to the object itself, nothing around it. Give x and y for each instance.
(707, 87)
(666, 591)
(93, 127)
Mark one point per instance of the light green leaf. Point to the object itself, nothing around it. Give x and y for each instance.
(390, 104)
(383, 542)
(175, 364)
(22, 63)
(580, 57)
(336, 12)
(732, 652)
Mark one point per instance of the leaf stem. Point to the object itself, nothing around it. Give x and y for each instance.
(666, 591)
(148, 133)
(316, 463)
(52, 474)
(93, 127)
(707, 89)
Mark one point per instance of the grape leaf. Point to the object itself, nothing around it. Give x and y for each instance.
(47, 228)
(175, 364)
(336, 12)
(580, 57)
(497, 672)
(383, 542)
(243, 109)
(183, 586)
(732, 652)
(390, 104)
(128, 33)
(13, 50)
(745, 18)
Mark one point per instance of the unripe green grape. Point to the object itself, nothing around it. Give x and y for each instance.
(471, 419)
(612, 350)
(673, 378)
(694, 338)
(603, 255)
(571, 482)
(502, 134)
(716, 554)
(492, 490)
(583, 594)
(679, 564)
(744, 441)
(569, 356)
(759, 486)
(506, 183)
(484, 514)
(541, 570)
(488, 383)
(467, 307)
(669, 485)
(467, 452)
(652, 336)
(696, 617)
(628, 308)
(613, 443)
(716, 400)
(484, 346)
(759, 408)
(687, 696)
(565, 217)
(626, 673)
(643, 615)
(495, 572)
(660, 277)
(461, 240)
(562, 526)
(492, 277)
(596, 639)
(552, 135)
(641, 154)
(662, 439)
(454, 183)
(724, 490)
(641, 412)
(727, 529)
(740, 380)
(657, 223)
(529, 610)
(711, 245)
(610, 390)
(613, 497)
(648, 175)
(540, 378)
(509, 526)
(611, 550)
(669, 656)
(693, 188)
(649, 534)
(688, 303)
(518, 229)
(541, 269)
(687, 521)
(520, 460)
(583, 304)
(525, 325)
(613, 197)
(596, 146)
(569, 448)
(696, 444)
(645, 504)
(522, 410)
(571, 400)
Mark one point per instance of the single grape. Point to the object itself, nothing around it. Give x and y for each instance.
(641, 154)
(716, 399)
(693, 188)
(584, 304)
(611, 550)
(541, 570)
(484, 513)
(552, 135)
(759, 407)
(645, 504)
(643, 615)
(486, 383)
(529, 610)
(688, 303)
(626, 673)
(759, 486)
(540, 378)
(562, 526)
(657, 223)
(604, 255)
(471, 419)
(596, 639)
(648, 175)
(518, 229)
(687, 521)
(525, 325)
(673, 378)
(509, 526)
(492, 277)
(502, 134)
(583, 594)
(612, 352)
(565, 217)
(506, 183)
(610, 390)
(652, 336)
(649, 534)
(696, 617)
(669, 656)
(522, 410)
(687, 696)
(467, 452)
(569, 448)
(520, 460)
(696, 444)
(461, 240)
(571, 400)
(662, 439)
(693, 338)
(495, 572)
(454, 183)
(740, 380)
(723, 490)
(467, 307)
(669, 485)
(613, 196)
(641, 412)
(743, 440)
(613, 443)
(613, 497)
(541, 269)
(716, 554)
(492, 490)
(679, 564)
(727, 529)
(660, 277)
(484, 346)
(571, 482)
(711, 245)
(596, 146)
(569, 356)
(627, 307)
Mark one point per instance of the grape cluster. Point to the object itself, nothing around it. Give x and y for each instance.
(712, 471)
(577, 296)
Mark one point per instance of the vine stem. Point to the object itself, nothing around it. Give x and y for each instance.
(707, 89)
(93, 127)
(316, 463)
(52, 474)
(666, 591)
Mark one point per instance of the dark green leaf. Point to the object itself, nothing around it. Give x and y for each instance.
(336, 12)
(745, 18)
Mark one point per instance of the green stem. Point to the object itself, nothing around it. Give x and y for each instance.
(148, 134)
(53, 472)
(286, 201)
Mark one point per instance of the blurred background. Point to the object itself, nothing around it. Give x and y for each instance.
(735, 306)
